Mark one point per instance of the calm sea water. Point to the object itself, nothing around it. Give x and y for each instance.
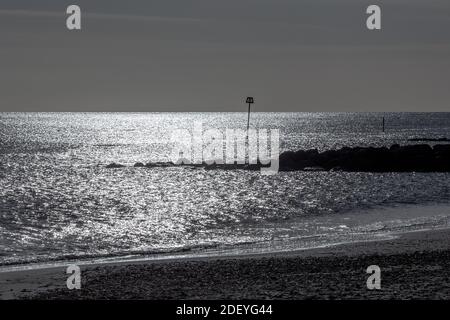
(58, 201)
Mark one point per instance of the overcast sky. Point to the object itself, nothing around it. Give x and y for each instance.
(208, 55)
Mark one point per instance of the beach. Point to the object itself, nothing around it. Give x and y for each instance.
(413, 266)
(180, 232)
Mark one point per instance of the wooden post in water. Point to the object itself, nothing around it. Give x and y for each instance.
(250, 101)
(383, 124)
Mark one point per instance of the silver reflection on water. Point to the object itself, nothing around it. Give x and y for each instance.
(57, 199)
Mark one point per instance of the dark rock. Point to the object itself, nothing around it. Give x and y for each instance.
(114, 165)
(442, 149)
(159, 164)
(288, 160)
(397, 158)
(416, 149)
(394, 147)
(420, 157)
(430, 139)
(139, 165)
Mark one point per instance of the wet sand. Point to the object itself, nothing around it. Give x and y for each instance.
(414, 266)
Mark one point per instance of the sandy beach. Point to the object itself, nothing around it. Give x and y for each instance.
(413, 266)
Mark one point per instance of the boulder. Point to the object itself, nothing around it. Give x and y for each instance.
(420, 157)
(139, 165)
(114, 165)
(442, 149)
(415, 149)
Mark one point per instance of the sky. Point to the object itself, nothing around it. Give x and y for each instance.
(209, 55)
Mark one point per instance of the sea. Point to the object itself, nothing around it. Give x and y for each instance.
(59, 202)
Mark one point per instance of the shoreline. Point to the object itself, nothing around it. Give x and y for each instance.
(257, 249)
(201, 255)
(335, 261)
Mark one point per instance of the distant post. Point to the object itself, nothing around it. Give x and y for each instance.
(383, 124)
(250, 101)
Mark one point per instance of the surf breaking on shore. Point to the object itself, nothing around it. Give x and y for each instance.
(380, 224)
(415, 262)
